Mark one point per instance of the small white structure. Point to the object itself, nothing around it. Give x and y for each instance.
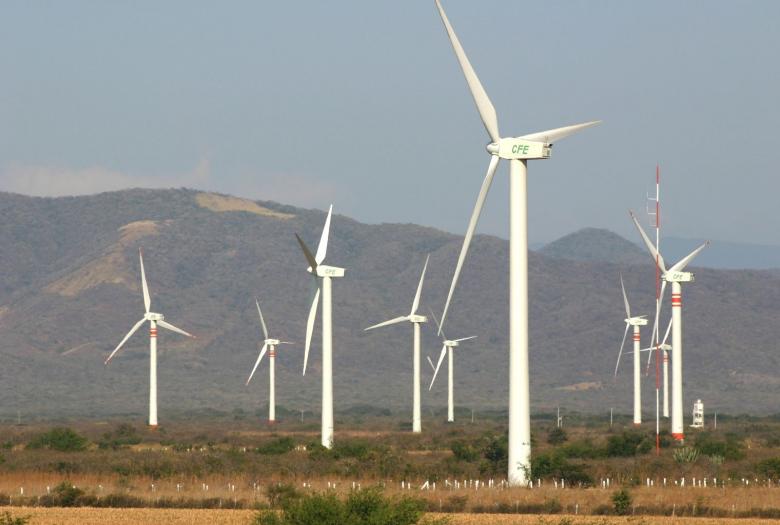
(698, 414)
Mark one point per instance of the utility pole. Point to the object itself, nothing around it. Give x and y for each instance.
(610, 418)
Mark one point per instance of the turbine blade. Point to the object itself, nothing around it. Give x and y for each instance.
(322, 248)
(685, 261)
(483, 191)
(625, 299)
(257, 363)
(438, 326)
(144, 286)
(169, 326)
(654, 334)
(668, 328)
(650, 247)
(620, 354)
(129, 334)
(553, 135)
(387, 323)
(416, 302)
(465, 338)
(433, 367)
(306, 253)
(262, 321)
(486, 110)
(436, 371)
(310, 327)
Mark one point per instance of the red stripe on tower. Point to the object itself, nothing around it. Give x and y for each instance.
(676, 299)
(153, 332)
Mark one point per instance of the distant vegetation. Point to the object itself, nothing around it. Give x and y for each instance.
(366, 507)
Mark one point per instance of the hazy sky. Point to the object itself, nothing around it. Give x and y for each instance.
(362, 103)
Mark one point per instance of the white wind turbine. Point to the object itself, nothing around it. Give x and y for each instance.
(154, 320)
(676, 276)
(269, 345)
(518, 150)
(447, 346)
(416, 320)
(322, 278)
(634, 322)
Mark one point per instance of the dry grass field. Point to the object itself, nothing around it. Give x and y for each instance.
(90, 516)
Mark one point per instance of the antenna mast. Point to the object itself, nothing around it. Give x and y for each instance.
(655, 220)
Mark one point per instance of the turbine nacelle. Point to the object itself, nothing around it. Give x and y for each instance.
(678, 277)
(272, 342)
(519, 148)
(329, 271)
(414, 318)
(636, 321)
(450, 344)
(151, 316)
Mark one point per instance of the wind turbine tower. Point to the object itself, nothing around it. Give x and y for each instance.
(155, 320)
(448, 345)
(675, 275)
(635, 323)
(269, 345)
(416, 321)
(323, 275)
(518, 151)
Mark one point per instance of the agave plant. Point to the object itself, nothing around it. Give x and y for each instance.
(686, 455)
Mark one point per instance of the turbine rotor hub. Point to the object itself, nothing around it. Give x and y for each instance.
(492, 148)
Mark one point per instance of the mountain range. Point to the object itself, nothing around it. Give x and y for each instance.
(70, 290)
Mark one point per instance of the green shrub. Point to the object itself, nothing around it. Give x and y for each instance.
(6, 518)
(628, 444)
(61, 439)
(769, 468)
(366, 507)
(280, 494)
(123, 436)
(582, 449)
(557, 436)
(276, 447)
(63, 495)
(464, 451)
(730, 448)
(556, 466)
(621, 500)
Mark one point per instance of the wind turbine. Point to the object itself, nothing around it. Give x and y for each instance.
(154, 321)
(634, 322)
(269, 345)
(322, 278)
(447, 346)
(416, 320)
(676, 276)
(518, 150)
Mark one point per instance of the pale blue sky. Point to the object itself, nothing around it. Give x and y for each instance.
(363, 104)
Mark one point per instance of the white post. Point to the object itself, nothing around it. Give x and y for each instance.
(666, 382)
(327, 365)
(272, 385)
(450, 394)
(519, 446)
(153, 373)
(416, 422)
(677, 394)
(637, 379)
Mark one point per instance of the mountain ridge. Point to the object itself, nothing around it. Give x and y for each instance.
(205, 268)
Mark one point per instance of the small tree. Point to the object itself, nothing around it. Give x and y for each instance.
(621, 500)
(556, 436)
